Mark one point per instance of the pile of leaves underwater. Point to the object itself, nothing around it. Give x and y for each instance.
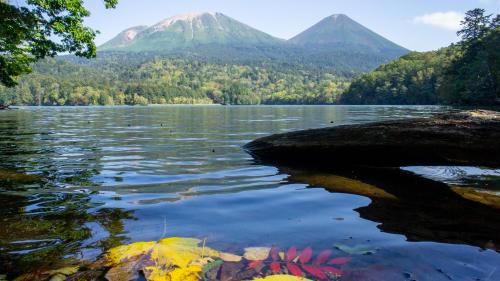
(184, 259)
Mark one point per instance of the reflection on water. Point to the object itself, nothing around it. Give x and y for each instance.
(76, 181)
(480, 178)
(41, 230)
(419, 208)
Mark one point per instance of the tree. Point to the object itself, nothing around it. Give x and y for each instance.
(472, 78)
(39, 29)
(474, 25)
(466, 73)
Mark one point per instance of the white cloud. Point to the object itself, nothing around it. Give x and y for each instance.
(446, 20)
(490, 1)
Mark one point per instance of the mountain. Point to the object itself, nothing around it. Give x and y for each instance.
(188, 31)
(340, 32)
(124, 38)
(337, 43)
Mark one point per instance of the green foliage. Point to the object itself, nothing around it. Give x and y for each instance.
(135, 79)
(464, 74)
(412, 79)
(39, 29)
(474, 77)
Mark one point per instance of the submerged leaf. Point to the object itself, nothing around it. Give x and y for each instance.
(282, 255)
(254, 264)
(275, 253)
(291, 254)
(332, 270)
(275, 267)
(230, 257)
(256, 253)
(173, 259)
(51, 275)
(314, 271)
(282, 278)
(294, 269)
(179, 274)
(356, 250)
(229, 271)
(323, 257)
(212, 265)
(126, 270)
(65, 270)
(339, 261)
(58, 277)
(305, 255)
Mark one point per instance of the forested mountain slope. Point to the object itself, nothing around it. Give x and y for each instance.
(467, 73)
(116, 79)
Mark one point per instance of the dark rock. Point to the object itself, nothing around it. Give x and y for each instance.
(456, 138)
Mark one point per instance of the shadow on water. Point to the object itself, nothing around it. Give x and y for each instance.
(405, 203)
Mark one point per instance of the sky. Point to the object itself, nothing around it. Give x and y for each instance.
(419, 25)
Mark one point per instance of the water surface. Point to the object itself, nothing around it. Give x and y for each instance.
(103, 176)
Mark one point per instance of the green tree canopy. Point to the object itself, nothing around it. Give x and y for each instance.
(466, 73)
(42, 28)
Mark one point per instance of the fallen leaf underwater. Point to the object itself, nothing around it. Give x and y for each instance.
(170, 259)
(176, 259)
(188, 259)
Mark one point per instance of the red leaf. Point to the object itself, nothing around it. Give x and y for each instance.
(339, 261)
(305, 255)
(332, 270)
(291, 254)
(294, 269)
(254, 264)
(315, 271)
(275, 253)
(322, 257)
(275, 267)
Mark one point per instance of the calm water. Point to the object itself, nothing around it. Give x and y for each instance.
(103, 176)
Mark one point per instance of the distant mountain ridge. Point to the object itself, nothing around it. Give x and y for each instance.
(188, 30)
(341, 32)
(336, 42)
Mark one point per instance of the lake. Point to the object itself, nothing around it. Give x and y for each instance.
(75, 181)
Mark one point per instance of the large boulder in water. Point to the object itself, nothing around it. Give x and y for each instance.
(466, 138)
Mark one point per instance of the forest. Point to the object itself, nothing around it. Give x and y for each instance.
(127, 79)
(466, 73)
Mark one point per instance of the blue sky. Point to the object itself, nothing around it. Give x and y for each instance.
(415, 24)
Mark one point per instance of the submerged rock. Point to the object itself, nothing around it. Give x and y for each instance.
(456, 138)
(14, 176)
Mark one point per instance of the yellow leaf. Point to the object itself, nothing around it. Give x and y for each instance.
(282, 255)
(256, 253)
(58, 277)
(230, 257)
(170, 259)
(282, 278)
(181, 274)
(64, 271)
(117, 254)
(51, 275)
